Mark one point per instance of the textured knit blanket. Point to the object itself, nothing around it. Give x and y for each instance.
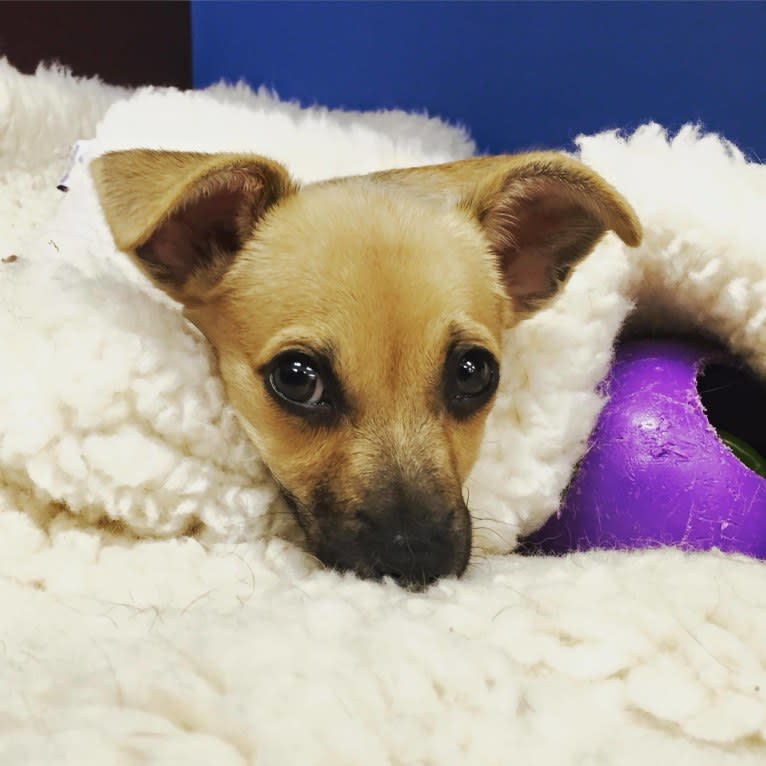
(149, 614)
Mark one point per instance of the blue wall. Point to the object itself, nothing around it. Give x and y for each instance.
(519, 75)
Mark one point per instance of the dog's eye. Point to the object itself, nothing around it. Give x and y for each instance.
(294, 377)
(471, 379)
(473, 374)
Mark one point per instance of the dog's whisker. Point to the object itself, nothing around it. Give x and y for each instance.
(490, 530)
(511, 524)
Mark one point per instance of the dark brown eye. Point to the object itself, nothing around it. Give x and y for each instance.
(294, 377)
(473, 374)
(471, 377)
(303, 384)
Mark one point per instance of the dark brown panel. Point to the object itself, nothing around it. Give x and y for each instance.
(125, 43)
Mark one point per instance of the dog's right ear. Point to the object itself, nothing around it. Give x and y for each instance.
(183, 216)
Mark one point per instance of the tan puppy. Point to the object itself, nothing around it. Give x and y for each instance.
(357, 322)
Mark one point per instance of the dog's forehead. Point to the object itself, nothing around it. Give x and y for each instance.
(361, 251)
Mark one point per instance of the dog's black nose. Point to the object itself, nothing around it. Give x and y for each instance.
(413, 549)
(412, 534)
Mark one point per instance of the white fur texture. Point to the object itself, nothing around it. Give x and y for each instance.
(119, 649)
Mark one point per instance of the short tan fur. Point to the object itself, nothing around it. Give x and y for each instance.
(386, 293)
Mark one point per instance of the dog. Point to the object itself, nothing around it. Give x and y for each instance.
(357, 321)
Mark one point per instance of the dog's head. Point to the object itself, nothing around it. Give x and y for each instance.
(357, 322)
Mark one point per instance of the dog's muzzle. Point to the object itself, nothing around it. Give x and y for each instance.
(413, 540)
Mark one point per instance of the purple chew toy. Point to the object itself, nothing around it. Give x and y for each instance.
(657, 472)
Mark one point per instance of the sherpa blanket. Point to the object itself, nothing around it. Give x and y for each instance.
(150, 617)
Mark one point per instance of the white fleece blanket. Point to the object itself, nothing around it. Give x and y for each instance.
(227, 647)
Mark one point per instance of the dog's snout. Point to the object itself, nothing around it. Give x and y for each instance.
(412, 534)
(413, 548)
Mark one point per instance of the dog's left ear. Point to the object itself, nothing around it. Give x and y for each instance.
(542, 217)
(183, 216)
(541, 212)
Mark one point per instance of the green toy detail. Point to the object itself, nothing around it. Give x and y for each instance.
(744, 452)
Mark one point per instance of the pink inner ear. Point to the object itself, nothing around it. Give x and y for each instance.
(539, 232)
(529, 261)
(194, 235)
(170, 250)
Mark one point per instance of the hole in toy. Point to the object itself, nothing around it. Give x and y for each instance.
(735, 404)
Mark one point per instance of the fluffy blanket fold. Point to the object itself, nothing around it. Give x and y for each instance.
(228, 647)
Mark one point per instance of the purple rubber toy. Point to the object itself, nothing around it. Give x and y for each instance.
(657, 472)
